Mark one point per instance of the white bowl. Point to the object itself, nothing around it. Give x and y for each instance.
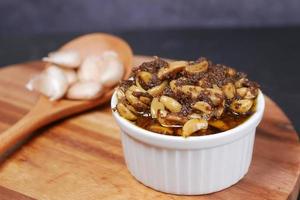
(192, 165)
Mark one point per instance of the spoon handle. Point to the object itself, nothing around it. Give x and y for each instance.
(44, 112)
(25, 127)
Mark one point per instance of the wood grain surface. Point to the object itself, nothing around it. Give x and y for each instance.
(81, 157)
(45, 112)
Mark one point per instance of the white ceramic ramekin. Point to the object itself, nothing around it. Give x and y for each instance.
(193, 165)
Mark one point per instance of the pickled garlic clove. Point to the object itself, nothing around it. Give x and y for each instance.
(193, 125)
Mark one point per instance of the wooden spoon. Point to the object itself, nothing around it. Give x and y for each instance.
(45, 111)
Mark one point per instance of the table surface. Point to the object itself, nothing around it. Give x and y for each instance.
(269, 55)
(81, 157)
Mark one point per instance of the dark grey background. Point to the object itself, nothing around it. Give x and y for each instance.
(61, 16)
(271, 56)
(259, 37)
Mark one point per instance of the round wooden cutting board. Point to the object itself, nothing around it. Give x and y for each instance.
(81, 157)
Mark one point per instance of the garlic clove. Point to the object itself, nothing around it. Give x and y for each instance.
(112, 71)
(68, 59)
(41, 83)
(110, 54)
(106, 69)
(71, 75)
(90, 69)
(51, 83)
(85, 90)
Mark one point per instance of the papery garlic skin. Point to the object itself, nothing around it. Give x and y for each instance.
(68, 59)
(85, 90)
(52, 83)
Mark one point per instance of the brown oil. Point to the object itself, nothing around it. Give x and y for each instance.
(228, 118)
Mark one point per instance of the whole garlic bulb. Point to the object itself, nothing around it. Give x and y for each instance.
(68, 59)
(52, 83)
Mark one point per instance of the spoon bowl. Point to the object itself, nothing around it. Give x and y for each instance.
(45, 111)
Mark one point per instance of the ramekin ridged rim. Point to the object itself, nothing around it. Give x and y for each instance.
(194, 142)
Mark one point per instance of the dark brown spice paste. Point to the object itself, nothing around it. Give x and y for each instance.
(186, 98)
